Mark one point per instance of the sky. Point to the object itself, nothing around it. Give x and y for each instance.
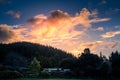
(70, 25)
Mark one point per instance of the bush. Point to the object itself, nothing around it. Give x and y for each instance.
(10, 74)
(44, 74)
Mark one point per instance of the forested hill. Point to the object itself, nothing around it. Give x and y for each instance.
(20, 53)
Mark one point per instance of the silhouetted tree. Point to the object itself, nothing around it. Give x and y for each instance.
(68, 63)
(88, 63)
(105, 69)
(115, 61)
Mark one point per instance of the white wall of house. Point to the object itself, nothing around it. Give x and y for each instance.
(55, 69)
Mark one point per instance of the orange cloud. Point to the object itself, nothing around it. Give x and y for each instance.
(5, 33)
(60, 24)
(110, 34)
(59, 29)
(96, 43)
(12, 33)
(94, 46)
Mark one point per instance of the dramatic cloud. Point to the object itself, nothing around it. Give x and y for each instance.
(61, 25)
(14, 14)
(38, 19)
(59, 29)
(110, 34)
(85, 18)
(12, 33)
(5, 33)
(58, 14)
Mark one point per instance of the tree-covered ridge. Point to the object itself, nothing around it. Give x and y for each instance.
(49, 56)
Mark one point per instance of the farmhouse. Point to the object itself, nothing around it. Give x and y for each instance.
(56, 69)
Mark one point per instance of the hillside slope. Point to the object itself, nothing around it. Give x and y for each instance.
(21, 53)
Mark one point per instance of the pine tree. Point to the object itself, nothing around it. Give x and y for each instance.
(35, 66)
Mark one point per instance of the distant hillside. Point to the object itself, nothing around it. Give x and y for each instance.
(21, 53)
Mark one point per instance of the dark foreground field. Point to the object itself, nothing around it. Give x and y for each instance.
(47, 79)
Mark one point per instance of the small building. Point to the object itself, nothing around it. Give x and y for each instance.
(66, 70)
(56, 69)
(52, 69)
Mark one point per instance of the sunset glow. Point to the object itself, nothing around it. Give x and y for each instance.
(67, 27)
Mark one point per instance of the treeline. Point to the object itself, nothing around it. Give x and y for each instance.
(87, 65)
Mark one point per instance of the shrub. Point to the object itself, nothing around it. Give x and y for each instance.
(10, 74)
